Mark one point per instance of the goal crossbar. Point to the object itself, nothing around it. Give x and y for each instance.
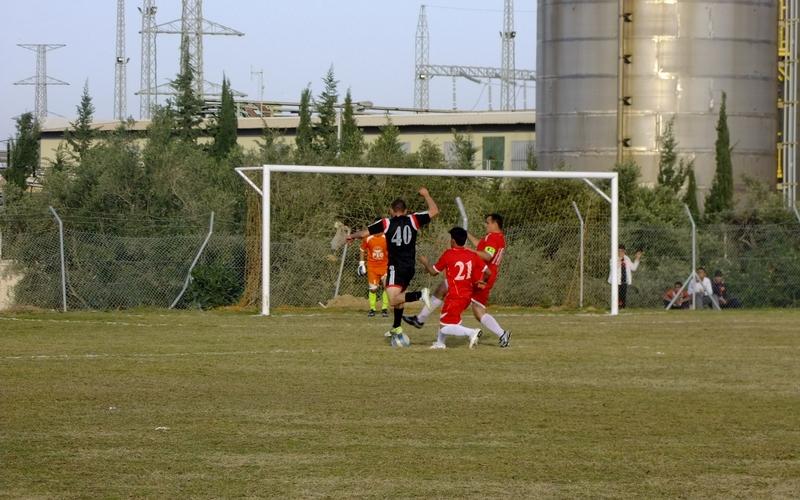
(264, 192)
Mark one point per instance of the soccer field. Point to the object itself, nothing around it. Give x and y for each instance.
(180, 404)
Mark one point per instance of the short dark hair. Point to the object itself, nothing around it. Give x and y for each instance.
(717, 273)
(496, 218)
(678, 283)
(622, 247)
(459, 235)
(701, 268)
(398, 205)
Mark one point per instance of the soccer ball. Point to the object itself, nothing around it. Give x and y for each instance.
(400, 340)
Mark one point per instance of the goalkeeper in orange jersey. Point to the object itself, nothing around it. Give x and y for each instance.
(374, 264)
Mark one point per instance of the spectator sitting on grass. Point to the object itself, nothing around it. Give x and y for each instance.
(683, 299)
(720, 290)
(700, 287)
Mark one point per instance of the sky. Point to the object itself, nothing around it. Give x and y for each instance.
(370, 44)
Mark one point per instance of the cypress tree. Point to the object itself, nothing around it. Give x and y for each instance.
(188, 105)
(671, 174)
(80, 135)
(225, 124)
(720, 198)
(352, 145)
(326, 141)
(304, 139)
(23, 158)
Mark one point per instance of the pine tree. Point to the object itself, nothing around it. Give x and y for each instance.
(429, 155)
(387, 151)
(352, 145)
(23, 158)
(690, 197)
(464, 150)
(326, 142)
(187, 104)
(671, 173)
(720, 198)
(225, 125)
(304, 139)
(80, 135)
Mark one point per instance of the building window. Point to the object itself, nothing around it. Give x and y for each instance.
(494, 153)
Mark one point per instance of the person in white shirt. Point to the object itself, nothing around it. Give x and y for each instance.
(625, 268)
(701, 288)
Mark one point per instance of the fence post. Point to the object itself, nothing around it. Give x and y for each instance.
(580, 219)
(63, 260)
(694, 250)
(341, 269)
(194, 262)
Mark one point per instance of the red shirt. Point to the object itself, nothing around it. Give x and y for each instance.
(495, 245)
(463, 268)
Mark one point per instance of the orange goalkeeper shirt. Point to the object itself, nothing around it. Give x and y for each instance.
(374, 246)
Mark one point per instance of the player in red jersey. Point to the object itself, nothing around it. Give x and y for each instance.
(491, 249)
(467, 274)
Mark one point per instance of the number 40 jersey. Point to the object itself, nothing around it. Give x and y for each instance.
(401, 237)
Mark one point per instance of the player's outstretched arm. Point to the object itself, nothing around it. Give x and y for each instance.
(433, 209)
(357, 235)
(427, 265)
(473, 239)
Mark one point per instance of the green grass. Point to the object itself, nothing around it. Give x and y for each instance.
(649, 405)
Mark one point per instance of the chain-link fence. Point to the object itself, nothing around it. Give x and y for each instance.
(543, 265)
(174, 263)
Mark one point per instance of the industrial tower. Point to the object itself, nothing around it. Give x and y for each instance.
(191, 27)
(421, 78)
(120, 64)
(508, 62)
(148, 67)
(41, 80)
(507, 74)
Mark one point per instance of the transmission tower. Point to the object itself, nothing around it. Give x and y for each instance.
(507, 74)
(148, 68)
(422, 52)
(508, 63)
(41, 80)
(191, 27)
(120, 65)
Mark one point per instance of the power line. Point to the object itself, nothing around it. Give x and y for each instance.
(475, 9)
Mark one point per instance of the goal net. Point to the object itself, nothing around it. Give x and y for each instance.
(560, 230)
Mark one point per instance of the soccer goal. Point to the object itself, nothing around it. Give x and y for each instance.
(306, 210)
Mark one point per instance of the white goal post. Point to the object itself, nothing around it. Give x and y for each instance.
(264, 192)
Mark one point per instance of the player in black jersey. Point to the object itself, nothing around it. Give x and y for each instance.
(401, 239)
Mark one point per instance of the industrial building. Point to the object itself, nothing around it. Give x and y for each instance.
(505, 140)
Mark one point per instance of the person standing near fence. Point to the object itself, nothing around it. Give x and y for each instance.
(625, 269)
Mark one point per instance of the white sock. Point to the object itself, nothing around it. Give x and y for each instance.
(435, 303)
(456, 330)
(440, 338)
(489, 322)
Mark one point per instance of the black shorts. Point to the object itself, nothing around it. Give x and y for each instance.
(399, 277)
